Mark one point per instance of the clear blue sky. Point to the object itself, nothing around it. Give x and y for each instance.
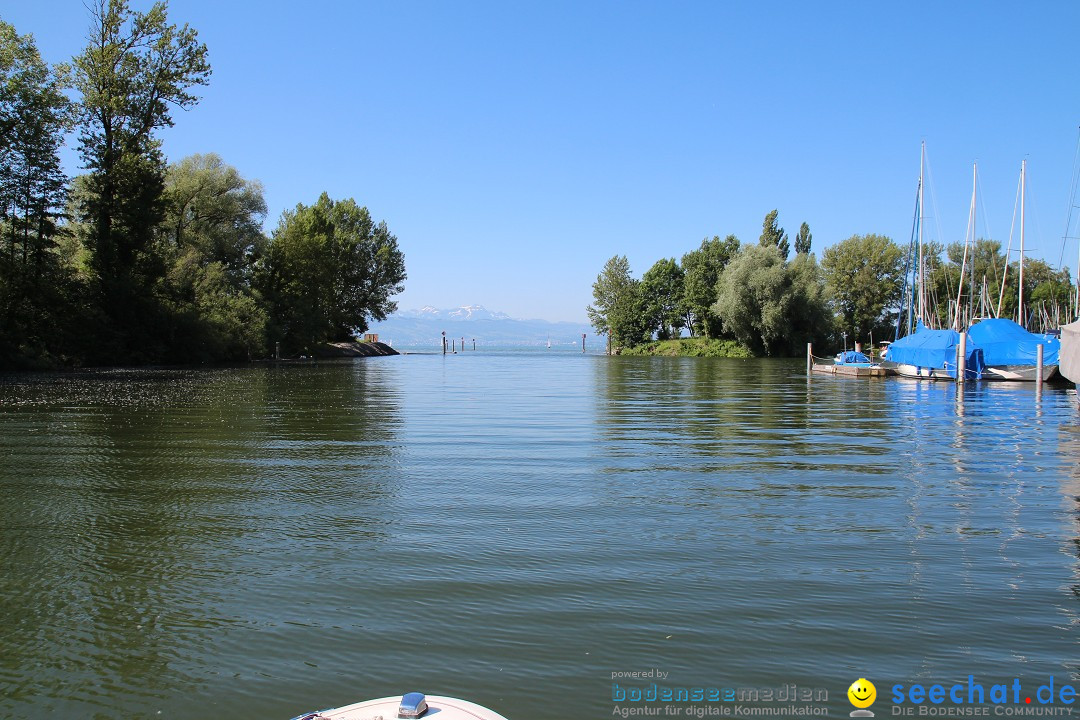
(513, 147)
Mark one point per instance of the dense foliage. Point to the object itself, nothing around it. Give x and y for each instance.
(140, 261)
(329, 269)
(752, 297)
(37, 293)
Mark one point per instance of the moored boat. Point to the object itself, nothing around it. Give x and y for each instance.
(931, 355)
(409, 705)
(1069, 353)
(1011, 352)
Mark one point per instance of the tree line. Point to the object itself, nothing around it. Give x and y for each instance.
(773, 305)
(138, 260)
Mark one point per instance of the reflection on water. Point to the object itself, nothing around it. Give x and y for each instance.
(150, 517)
(513, 528)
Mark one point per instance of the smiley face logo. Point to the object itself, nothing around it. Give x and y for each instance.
(862, 693)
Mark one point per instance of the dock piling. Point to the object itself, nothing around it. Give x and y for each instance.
(961, 358)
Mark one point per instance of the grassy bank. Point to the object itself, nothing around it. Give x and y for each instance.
(691, 347)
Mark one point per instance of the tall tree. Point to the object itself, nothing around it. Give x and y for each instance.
(210, 239)
(802, 240)
(134, 70)
(767, 304)
(618, 308)
(611, 284)
(772, 235)
(864, 277)
(329, 270)
(662, 287)
(702, 268)
(210, 207)
(34, 114)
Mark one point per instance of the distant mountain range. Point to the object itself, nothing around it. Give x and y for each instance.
(461, 314)
(424, 327)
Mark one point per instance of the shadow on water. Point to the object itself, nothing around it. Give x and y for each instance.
(149, 515)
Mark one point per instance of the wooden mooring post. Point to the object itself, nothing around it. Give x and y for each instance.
(809, 359)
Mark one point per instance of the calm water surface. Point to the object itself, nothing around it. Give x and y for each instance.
(514, 528)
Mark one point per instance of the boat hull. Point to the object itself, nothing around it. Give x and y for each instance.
(919, 373)
(1070, 352)
(1017, 373)
(444, 708)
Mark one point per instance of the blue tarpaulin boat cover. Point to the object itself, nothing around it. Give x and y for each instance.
(1003, 342)
(934, 349)
(852, 357)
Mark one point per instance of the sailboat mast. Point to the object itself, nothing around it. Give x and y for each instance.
(1023, 185)
(968, 241)
(971, 276)
(922, 267)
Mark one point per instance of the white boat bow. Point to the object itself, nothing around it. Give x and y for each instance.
(410, 706)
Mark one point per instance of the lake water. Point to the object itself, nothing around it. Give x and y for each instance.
(514, 528)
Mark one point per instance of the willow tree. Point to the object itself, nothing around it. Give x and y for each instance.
(771, 306)
(210, 240)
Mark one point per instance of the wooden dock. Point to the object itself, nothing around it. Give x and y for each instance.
(852, 370)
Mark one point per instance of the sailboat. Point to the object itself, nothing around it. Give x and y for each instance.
(1069, 354)
(1009, 350)
(925, 353)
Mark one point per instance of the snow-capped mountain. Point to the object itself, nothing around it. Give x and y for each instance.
(425, 326)
(467, 312)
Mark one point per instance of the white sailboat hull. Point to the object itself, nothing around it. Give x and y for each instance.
(1070, 352)
(1017, 373)
(919, 373)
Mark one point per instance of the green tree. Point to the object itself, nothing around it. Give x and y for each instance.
(662, 288)
(329, 269)
(135, 68)
(210, 239)
(619, 309)
(772, 235)
(702, 268)
(35, 287)
(982, 265)
(864, 277)
(803, 240)
(810, 318)
(1047, 293)
(769, 305)
(629, 319)
(611, 284)
(210, 207)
